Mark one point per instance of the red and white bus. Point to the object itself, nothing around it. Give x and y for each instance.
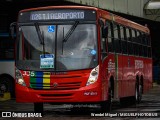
(79, 54)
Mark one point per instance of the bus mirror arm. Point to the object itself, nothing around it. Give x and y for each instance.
(12, 29)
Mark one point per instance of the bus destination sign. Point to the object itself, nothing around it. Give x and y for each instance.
(49, 15)
(56, 15)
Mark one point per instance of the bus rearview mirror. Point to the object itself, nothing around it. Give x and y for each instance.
(12, 29)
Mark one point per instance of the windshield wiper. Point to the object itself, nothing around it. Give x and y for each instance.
(40, 36)
(69, 33)
(39, 33)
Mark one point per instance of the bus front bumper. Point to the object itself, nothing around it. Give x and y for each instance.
(91, 93)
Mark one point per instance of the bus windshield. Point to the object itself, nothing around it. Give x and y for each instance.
(52, 49)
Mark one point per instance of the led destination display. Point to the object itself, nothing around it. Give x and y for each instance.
(50, 15)
(54, 16)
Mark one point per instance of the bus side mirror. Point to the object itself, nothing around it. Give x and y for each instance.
(13, 30)
(104, 32)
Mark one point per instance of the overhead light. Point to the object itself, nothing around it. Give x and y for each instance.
(152, 4)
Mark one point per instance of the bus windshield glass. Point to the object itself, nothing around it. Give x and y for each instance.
(57, 47)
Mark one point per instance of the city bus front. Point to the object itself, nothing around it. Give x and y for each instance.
(57, 56)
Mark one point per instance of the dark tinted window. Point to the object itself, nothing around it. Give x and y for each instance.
(123, 40)
(117, 40)
(110, 37)
(6, 47)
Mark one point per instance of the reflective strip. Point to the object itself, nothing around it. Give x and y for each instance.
(46, 81)
(39, 80)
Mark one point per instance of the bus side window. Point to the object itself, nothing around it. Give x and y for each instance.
(119, 36)
(149, 46)
(124, 40)
(117, 42)
(110, 37)
(137, 43)
(133, 41)
(144, 39)
(148, 40)
(145, 51)
(149, 52)
(138, 39)
(141, 50)
(130, 45)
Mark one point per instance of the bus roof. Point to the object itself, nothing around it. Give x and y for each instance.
(123, 21)
(59, 7)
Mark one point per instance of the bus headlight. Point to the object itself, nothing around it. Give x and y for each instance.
(93, 76)
(21, 82)
(19, 78)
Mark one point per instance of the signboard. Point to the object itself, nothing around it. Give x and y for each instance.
(47, 61)
(56, 15)
(51, 28)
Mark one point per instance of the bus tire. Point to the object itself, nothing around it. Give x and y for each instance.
(38, 108)
(7, 85)
(107, 105)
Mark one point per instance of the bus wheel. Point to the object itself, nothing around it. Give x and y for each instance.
(6, 85)
(107, 105)
(138, 93)
(38, 108)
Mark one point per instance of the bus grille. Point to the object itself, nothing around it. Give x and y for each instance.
(56, 86)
